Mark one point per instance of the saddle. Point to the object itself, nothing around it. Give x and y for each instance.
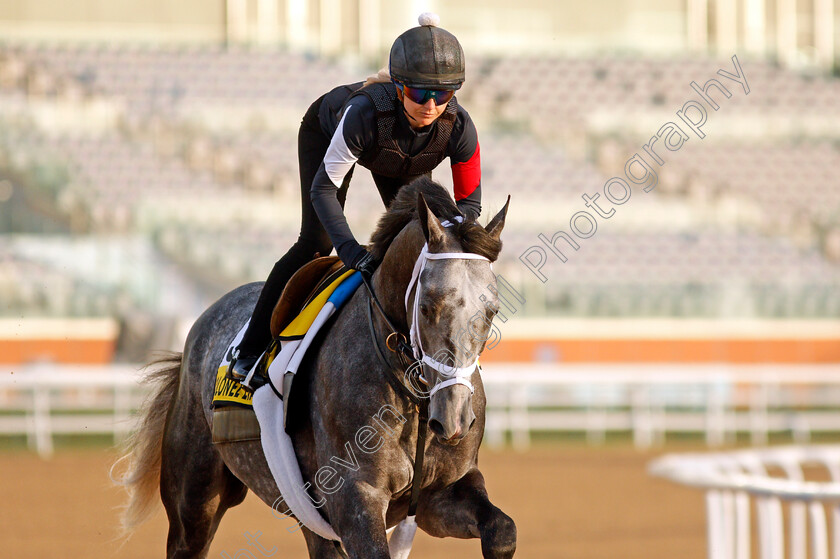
(233, 414)
(301, 288)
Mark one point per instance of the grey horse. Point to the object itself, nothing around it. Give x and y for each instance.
(342, 387)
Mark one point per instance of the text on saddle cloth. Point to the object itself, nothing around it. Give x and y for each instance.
(229, 392)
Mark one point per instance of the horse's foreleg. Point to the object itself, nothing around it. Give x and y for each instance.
(319, 548)
(463, 510)
(360, 521)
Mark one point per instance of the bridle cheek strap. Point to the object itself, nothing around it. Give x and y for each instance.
(458, 375)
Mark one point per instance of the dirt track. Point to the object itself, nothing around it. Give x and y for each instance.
(567, 502)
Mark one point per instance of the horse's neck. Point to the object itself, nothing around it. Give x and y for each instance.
(395, 272)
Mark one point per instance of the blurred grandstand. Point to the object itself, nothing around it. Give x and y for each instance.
(177, 167)
(175, 170)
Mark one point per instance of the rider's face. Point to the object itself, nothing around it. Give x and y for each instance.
(422, 115)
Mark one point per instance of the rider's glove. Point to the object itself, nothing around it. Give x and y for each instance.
(366, 264)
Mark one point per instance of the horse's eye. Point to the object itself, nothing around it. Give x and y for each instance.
(424, 309)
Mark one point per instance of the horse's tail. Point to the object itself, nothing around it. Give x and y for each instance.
(143, 448)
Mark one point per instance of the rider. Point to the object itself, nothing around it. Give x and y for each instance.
(400, 130)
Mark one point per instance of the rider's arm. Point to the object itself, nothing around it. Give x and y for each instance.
(466, 164)
(349, 139)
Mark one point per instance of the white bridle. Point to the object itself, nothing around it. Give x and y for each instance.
(458, 375)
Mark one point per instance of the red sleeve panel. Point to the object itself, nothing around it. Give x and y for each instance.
(466, 175)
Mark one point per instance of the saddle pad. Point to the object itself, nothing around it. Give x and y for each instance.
(233, 425)
(296, 338)
(334, 293)
(233, 415)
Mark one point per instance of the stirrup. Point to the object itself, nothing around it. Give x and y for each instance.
(258, 375)
(237, 357)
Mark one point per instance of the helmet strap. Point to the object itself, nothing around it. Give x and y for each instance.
(401, 97)
(408, 115)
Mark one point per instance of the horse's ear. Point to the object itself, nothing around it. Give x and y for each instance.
(498, 222)
(432, 229)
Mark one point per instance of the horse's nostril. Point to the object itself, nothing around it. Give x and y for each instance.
(471, 424)
(436, 427)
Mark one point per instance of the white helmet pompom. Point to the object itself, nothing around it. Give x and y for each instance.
(429, 19)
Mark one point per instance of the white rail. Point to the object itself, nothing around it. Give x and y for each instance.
(648, 401)
(787, 505)
(42, 401)
(651, 401)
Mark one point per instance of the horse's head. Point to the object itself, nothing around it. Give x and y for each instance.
(450, 305)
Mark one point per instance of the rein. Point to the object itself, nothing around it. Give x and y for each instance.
(393, 378)
(400, 344)
(422, 404)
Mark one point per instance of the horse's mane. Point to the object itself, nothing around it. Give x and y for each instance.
(403, 210)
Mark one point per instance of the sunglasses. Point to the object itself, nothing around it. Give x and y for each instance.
(422, 96)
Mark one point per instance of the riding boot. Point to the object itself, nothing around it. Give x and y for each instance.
(246, 353)
(258, 335)
(241, 364)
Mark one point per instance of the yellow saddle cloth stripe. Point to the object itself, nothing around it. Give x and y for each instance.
(298, 327)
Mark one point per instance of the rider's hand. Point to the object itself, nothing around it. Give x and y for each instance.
(366, 264)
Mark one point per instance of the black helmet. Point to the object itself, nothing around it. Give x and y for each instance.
(427, 56)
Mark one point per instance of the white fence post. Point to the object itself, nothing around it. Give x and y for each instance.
(819, 531)
(732, 479)
(642, 424)
(519, 420)
(42, 423)
(758, 414)
(714, 525)
(715, 417)
(122, 412)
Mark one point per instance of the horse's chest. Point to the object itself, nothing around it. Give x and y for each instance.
(443, 467)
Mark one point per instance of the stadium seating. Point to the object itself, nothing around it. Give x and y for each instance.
(195, 149)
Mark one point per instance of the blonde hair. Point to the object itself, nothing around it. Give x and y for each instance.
(382, 76)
